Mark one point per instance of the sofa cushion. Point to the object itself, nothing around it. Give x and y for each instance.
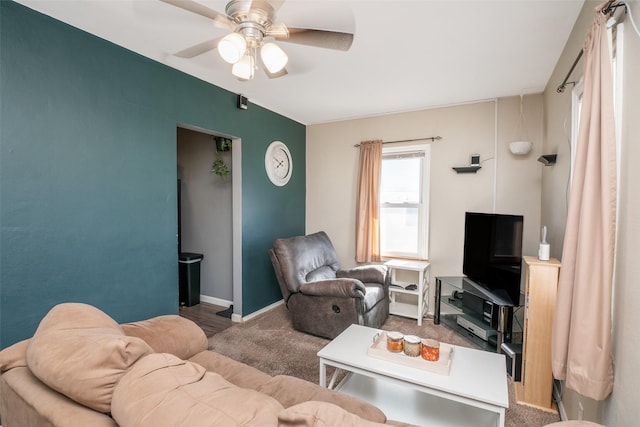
(74, 315)
(164, 390)
(169, 334)
(290, 391)
(324, 272)
(81, 352)
(235, 372)
(320, 414)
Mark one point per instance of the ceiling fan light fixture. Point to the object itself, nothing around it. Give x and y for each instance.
(244, 68)
(251, 23)
(232, 47)
(273, 57)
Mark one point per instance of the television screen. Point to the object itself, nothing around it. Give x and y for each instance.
(493, 253)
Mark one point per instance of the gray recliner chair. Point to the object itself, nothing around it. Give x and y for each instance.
(322, 298)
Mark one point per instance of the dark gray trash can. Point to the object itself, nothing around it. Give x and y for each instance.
(189, 275)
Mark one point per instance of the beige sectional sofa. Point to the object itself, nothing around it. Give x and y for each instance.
(83, 369)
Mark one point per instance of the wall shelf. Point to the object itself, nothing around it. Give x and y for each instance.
(466, 169)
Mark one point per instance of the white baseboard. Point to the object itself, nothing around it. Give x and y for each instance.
(237, 317)
(216, 301)
(221, 302)
(259, 312)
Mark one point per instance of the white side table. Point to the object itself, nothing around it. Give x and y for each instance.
(407, 309)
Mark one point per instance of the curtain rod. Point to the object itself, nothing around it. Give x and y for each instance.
(432, 138)
(564, 83)
(612, 6)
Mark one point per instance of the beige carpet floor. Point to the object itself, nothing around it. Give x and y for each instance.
(269, 343)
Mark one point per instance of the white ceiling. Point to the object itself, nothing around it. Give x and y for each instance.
(406, 55)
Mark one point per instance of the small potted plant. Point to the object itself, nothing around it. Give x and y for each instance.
(223, 144)
(219, 167)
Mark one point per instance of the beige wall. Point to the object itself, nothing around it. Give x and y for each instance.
(621, 408)
(521, 184)
(206, 213)
(506, 183)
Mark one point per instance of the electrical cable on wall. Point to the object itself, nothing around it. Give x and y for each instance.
(486, 160)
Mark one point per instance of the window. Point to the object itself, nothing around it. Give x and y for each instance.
(615, 35)
(576, 109)
(404, 201)
(616, 47)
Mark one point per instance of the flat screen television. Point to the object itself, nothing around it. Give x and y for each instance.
(493, 253)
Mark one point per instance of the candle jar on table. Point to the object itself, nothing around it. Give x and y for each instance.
(395, 342)
(430, 350)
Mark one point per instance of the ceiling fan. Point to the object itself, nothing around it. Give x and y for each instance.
(253, 26)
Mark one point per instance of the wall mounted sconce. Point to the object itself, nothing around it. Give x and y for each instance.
(548, 159)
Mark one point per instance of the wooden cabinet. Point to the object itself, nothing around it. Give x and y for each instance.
(541, 284)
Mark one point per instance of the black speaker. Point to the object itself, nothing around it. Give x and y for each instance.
(243, 102)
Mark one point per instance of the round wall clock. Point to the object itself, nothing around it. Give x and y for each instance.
(278, 163)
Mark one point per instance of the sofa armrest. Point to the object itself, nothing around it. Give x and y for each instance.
(365, 273)
(169, 334)
(14, 356)
(344, 288)
(26, 401)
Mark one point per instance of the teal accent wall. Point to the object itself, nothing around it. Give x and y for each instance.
(88, 175)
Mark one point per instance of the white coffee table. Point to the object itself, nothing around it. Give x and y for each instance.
(473, 394)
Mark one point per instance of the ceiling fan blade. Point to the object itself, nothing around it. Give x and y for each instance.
(276, 4)
(319, 38)
(199, 49)
(196, 8)
(222, 21)
(279, 31)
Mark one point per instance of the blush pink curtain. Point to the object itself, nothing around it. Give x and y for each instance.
(368, 205)
(581, 337)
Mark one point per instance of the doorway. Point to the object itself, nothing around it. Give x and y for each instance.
(206, 212)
